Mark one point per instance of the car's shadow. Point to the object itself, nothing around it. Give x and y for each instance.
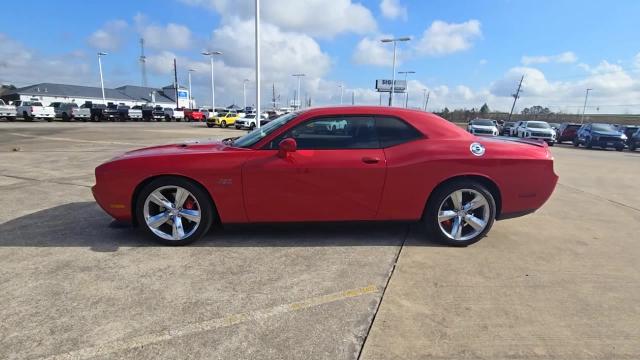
(84, 224)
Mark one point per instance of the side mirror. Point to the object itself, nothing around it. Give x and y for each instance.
(286, 146)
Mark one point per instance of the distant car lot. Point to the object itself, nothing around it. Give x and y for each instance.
(77, 285)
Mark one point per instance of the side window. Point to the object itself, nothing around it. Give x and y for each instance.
(393, 131)
(353, 132)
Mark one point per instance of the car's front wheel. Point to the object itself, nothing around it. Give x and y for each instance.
(174, 211)
(460, 213)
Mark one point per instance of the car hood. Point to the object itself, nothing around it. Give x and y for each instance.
(540, 130)
(606, 133)
(190, 146)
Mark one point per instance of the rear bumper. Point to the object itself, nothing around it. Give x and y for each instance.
(608, 144)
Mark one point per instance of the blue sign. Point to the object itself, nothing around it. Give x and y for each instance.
(182, 94)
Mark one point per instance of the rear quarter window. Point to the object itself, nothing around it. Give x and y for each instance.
(393, 131)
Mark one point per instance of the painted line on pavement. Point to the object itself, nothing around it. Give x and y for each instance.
(208, 325)
(74, 140)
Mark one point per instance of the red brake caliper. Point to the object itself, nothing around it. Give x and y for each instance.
(189, 204)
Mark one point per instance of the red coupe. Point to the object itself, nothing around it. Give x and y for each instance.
(352, 163)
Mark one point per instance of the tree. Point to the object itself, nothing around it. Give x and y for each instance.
(484, 110)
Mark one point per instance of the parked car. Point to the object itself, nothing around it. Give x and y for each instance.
(152, 113)
(629, 130)
(193, 115)
(173, 114)
(513, 131)
(249, 121)
(7, 111)
(223, 119)
(554, 126)
(96, 111)
(566, 132)
(111, 113)
(30, 110)
(64, 111)
(634, 140)
(483, 127)
(395, 164)
(208, 113)
(538, 130)
(600, 135)
(506, 128)
(135, 113)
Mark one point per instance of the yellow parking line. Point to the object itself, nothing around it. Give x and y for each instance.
(208, 325)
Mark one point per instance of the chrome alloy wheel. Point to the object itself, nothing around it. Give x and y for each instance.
(172, 213)
(463, 214)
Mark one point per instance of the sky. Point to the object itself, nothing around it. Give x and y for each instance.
(464, 53)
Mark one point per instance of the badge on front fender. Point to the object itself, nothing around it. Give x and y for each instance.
(477, 149)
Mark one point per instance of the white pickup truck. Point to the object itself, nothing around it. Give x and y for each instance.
(30, 110)
(7, 111)
(173, 114)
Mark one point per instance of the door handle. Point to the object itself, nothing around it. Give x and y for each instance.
(370, 160)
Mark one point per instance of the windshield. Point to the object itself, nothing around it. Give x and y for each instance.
(538, 125)
(259, 133)
(482, 122)
(603, 127)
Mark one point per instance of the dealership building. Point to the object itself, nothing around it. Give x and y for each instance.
(131, 95)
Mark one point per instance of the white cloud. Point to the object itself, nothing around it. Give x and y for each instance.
(109, 37)
(563, 58)
(21, 66)
(443, 38)
(373, 52)
(393, 10)
(172, 36)
(320, 18)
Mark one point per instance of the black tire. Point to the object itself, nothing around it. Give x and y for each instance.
(11, 118)
(167, 118)
(209, 125)
(575, 143)
(588, 144)
(223, 124)
(207, 209)
(619, 148)
(252, 126)
(551, 143)
(632, 147)
(430, 216)
(26, 116)
(65, 116)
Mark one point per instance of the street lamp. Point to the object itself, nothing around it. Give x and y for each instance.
(341, 86)
(406, 90)
(299, 76)
(190, 95)
(426, 98)
(100, 55)
(244, 92)
(393, 73)
(584, 108)
(257, 49)
(211, 54)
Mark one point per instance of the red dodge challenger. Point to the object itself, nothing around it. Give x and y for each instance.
(356, 163)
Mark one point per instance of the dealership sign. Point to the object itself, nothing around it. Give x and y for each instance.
(182, 94)
(383, 85)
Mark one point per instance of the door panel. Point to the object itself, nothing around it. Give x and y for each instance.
(314, 185)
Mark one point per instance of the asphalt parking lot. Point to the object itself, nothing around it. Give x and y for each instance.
(563, 283)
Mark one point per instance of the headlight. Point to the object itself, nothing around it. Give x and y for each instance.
(623, 137)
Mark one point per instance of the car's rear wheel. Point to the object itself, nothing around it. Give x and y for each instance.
(174, 211)
(223, 124)
(209, 125)
(460, 213)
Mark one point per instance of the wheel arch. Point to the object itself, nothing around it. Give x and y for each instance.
(483, 180)
(148, 180)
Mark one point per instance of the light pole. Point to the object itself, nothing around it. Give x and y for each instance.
(244, 92)
(257, 41)
(393, 73)
(406, 90)
(299, 76)
(426, 102)
(341, 86)
(211, 54)
(100, 55)
(190, 95)
(584, 108)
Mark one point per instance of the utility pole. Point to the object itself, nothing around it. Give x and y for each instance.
(175, 81)
(515, 97)
(298, 102)
(190, 95)
(100, 54)
(211, 54)
(427, 102)
(143, 63)
(341, 86)
(244, 93)
(406, 86)
(273, 95)
(584, 108)
(257, 47)
(353, 97)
